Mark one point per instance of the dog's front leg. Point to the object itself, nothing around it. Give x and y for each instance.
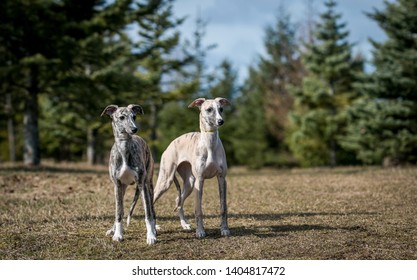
(119, 191)
(200, 233)
(150, 222)
(224, 227)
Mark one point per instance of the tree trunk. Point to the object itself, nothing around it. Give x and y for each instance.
(91, 145)
(31, 153)
(10, 128)
(333, 159)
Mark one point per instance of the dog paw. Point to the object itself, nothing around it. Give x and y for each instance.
(151, 239)
(118, 238)
(225, 231)
(185, 225)
(200, 233)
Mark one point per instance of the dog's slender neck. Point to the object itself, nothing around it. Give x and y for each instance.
(122, 143)
(209, 134)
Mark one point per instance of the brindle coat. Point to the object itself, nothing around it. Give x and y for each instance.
(130, 163)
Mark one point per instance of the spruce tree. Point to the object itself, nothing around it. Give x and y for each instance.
(318, 119)
(189, 82)
(384, 123)
(279, 69)
(226, 86)
(250, 132)
(41, 42)
(159, 39)
(262, 117)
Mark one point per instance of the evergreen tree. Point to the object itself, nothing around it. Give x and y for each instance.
(197, 73)
(262, 117)
(279, 70)
(318, 120)
(226, 86)
(59, 58)
(158, 34)
(190, 82)
(250, 131)
(103, 71)
(27, 50)
(384, 122)
(41, 42)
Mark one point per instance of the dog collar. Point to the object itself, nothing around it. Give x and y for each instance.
(211, 131)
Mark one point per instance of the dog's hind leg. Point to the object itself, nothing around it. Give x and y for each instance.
(187, 190)
(178, 199)
(185, 172)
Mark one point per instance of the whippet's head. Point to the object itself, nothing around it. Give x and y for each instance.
(210, 112)
(123, 119)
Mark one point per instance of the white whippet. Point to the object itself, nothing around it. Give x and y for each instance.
(197, 156)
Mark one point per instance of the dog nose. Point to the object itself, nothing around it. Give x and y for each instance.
(134, 130)
(220, 122)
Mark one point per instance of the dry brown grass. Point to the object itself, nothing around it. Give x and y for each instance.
(62, 212)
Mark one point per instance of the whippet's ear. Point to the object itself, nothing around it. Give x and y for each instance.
(137, 109)
(109, 110)
(197, 103)
(223, 101)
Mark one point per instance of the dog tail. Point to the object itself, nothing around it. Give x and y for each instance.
(132, 206)
(177, 185)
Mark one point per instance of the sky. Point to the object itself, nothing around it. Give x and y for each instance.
(237, 26)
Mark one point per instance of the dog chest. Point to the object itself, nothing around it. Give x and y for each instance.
(126, 175)
(210, 166)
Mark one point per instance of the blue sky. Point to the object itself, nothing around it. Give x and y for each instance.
(237, 26)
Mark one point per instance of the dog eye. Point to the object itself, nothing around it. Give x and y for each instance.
(122, 118)
(209, 110)
(221, 110)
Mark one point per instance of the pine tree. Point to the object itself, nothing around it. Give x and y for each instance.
(279, 70)
(318, 120)
(226, 86)
(41, 41)
(262, 117)
(22, 24)
(250, 132)
(160, 39)
(190, 82)
(103, 70)
(62, 57)
(384, 122)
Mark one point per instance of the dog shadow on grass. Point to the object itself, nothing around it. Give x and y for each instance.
(262, 225)
(269, 225)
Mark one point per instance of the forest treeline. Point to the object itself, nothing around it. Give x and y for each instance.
(306, 102)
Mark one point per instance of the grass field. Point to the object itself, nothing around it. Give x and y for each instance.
(63, 212)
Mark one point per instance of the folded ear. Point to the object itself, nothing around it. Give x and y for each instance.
(109, 110)
(197, 103)
(137, 109)
(223, 101)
